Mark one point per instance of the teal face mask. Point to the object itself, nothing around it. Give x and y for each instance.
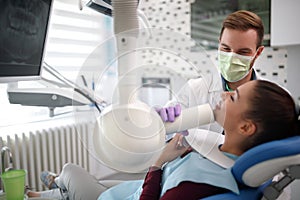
(232, 66)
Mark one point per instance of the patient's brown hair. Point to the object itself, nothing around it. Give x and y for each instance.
(273, 111)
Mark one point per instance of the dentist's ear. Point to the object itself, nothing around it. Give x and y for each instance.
(260, 50)
(257, 54)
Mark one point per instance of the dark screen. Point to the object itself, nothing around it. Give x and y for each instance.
(23, 33)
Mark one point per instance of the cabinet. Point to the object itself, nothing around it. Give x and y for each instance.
(285, 24)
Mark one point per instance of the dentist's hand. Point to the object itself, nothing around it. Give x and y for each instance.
(168, 114)
(172, 150)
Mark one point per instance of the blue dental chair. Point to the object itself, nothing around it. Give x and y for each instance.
(255, 169)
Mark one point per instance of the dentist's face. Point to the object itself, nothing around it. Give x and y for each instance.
(21, 21)
(229, 113)
(240, 42)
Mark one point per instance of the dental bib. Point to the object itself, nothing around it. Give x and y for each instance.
(207, 144)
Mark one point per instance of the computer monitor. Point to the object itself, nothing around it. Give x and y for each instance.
(23, 33)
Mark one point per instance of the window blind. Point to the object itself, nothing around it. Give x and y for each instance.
(74, 36)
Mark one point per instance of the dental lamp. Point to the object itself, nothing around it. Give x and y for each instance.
(129, 135)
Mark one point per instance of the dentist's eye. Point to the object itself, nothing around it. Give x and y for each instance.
(231, 97)
(226, 49)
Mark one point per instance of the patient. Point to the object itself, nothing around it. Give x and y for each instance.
(257, 112)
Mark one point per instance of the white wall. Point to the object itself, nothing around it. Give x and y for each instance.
(285, 31)
(293, 71)
(293, 83)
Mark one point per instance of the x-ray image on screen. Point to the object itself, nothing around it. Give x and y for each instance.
(22, 35)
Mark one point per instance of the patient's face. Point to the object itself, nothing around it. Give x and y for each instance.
(229, 113)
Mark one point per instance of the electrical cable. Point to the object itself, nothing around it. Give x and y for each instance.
(76, 87)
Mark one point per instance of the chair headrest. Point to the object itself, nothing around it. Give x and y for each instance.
(261, 163)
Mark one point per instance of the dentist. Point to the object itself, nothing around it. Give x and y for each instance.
(240, 44)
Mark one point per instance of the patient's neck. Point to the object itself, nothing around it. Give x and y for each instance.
(234, 151)
(232, 145)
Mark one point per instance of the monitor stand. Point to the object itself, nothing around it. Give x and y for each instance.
(50, 97)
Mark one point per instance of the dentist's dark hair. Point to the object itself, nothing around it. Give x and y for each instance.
(244, 20)
(273, 111)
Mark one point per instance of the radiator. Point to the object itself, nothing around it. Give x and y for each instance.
(48, 150)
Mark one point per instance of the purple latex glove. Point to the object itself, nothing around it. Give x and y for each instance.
(169, 114)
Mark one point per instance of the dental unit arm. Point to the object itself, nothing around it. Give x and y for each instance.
(130, 135)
